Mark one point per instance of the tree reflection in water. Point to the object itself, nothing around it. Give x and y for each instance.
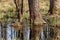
(11, 33)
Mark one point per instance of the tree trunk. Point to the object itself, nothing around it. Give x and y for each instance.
(56, 11)
(25, 29)
(55, 4)
(36, 20)
(56, 8)
(19, 11)
(4, 32)
(19, 8)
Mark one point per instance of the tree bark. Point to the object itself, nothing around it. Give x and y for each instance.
(56, 8)
(4, 32)
(36, 20)
(19, 8)
(25, 29)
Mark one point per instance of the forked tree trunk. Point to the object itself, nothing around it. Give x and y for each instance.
(19, 8)
(36, 20)
(19, 11)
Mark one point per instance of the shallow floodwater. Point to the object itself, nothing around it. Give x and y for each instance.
(11, 33)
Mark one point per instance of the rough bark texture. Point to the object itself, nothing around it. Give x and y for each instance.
(36, 20)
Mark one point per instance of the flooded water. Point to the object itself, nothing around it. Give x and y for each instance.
(11, 33)
(42, 36)
(27, 33)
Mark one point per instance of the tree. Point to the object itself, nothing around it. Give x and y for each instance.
(51, 6)
(55, 11)
(36, 20)
(19, 11)
(19, 8)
